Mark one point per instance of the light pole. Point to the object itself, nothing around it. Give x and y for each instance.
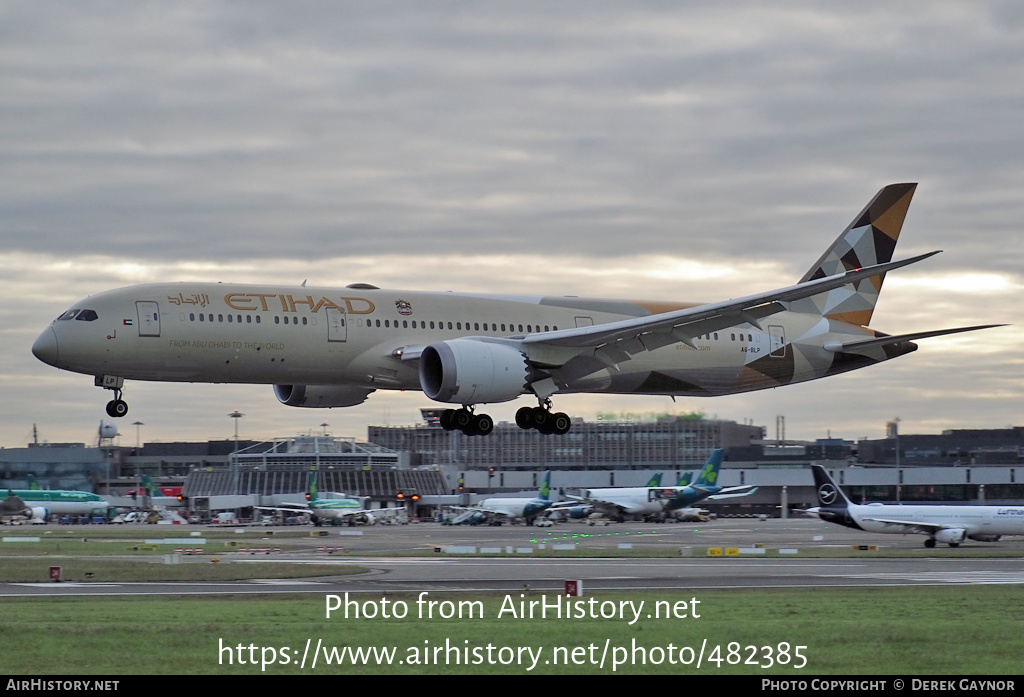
(236, 415)
(136, 424)
(138, 462)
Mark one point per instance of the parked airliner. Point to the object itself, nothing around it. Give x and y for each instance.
(941, 523)
(501, 509)
(329, 347)
(641, 501)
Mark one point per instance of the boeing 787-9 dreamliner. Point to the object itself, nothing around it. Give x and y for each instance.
(333, 347)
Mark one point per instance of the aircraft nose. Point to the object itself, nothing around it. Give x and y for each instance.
(45, 348)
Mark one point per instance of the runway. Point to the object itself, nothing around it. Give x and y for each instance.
(433, 570)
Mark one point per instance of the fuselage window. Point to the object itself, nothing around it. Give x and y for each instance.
(503, 327)
(449, 325)
(277, 320)
(476, 326)
(230, 319)
(220, 318)
(202, 317)
(431, 324)
(305, 321)
(191, 317)
(520, 329)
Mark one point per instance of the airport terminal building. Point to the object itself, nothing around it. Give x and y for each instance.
(447, 466)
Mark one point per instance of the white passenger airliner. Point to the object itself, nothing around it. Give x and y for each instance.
(655, 500)
(329, 347)
(941, 523)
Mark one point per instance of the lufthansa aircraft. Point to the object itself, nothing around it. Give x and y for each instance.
(331, 347)
(941, 523)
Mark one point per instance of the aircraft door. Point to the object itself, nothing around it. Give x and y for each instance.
(777, 335)
(149, 317)
(337, 329)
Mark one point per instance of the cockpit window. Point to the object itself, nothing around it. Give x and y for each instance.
(80, 314)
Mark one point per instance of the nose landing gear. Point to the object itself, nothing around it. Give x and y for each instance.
(117, 407)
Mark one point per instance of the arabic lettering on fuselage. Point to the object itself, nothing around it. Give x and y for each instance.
(200, 299)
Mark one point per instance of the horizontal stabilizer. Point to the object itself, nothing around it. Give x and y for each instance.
(864, 344)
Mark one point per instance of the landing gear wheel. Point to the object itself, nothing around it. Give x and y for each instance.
(117, 408)
(482, 425)
(930, 542)
(523, 418)
(539, 417)
(561, 423)
(462, 419)
(447, 419)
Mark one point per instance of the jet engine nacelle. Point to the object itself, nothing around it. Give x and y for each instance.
(469, 371)
(952, 536)
(37, 514)
(321, 396)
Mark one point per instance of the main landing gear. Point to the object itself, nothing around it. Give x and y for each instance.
(466, 421)
(539, 418)
(543, 420)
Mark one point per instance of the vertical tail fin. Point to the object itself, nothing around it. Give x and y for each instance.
(685, 479)
(149, 487)
(312, 494)
(544, 493)
(654, 481)
(709, 475)
(870, 239)
(33, 483)
(828, 492)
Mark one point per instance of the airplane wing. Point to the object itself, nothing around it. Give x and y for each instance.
(910, 526)
(864, 344)
(297, 508)
(479, 509)
(733, 492)
(580, 351)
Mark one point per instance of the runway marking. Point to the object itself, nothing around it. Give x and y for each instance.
(62, 584)
(284, 582)
(969, 577)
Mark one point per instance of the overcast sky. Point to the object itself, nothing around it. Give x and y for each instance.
(685, 151)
